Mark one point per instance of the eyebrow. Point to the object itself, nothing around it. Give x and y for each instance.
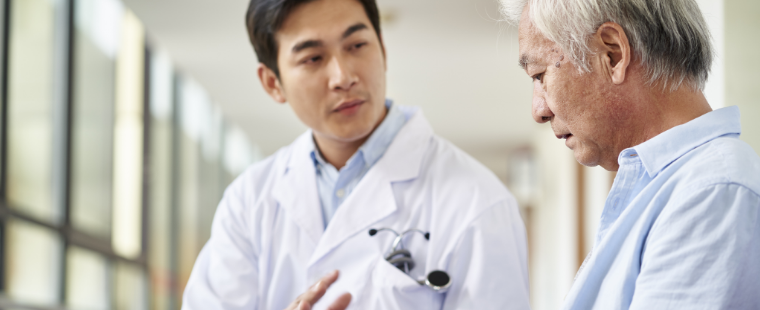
(300, 46)
(356, 27)
(525, 61)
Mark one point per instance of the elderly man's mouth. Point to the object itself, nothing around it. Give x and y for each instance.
(565, 136)
(568, 141)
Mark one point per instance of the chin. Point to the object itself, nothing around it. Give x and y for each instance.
(355, 129)
(353, 133)
(587, 159)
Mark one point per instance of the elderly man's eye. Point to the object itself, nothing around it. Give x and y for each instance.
(539, 77)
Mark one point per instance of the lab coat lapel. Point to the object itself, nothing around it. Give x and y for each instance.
(372, 200)
(296, 191)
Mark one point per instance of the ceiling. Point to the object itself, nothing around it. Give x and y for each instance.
(453, 58)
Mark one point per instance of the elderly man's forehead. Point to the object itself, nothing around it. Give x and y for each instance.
(533, 45)
(531, 51)
(525, 26)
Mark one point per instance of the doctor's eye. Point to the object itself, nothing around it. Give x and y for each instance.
(357, 45)
(312, 59)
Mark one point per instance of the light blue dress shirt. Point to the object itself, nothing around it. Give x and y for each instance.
(334, 186)
(681, 226)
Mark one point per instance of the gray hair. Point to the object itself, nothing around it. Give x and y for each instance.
(669, 37)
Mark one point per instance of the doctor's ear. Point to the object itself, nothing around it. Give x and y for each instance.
(382, 48)
(271, 83)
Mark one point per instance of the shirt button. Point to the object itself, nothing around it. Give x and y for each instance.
(340, 193)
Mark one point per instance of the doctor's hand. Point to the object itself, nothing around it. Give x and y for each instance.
(316, 291)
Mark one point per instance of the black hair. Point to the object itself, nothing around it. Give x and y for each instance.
(265, 17)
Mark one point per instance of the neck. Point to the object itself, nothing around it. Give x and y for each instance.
(337, 152)
(658, 111)
(670, 109)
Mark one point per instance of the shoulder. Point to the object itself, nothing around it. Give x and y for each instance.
(255, 179)
(456, 163)
(724, 160)
(468, 201)
(715, 180)
(741, 163)
(458, 178)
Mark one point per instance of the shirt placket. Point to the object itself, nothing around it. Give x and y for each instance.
(628, 171)
(345, 177)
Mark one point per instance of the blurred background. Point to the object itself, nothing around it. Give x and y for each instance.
(123, 121)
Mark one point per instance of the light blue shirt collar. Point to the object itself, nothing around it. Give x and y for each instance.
(335, 186)
(658, 152)
(377, 143)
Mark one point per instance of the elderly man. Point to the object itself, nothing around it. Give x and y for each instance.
(621, 82)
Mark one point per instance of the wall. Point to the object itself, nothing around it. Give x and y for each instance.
(552, 227)
(742, 65)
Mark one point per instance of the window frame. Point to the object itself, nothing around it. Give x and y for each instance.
(69, 235)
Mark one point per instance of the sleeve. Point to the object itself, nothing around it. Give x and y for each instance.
(703, 253)
(225, 274)
(491, 258)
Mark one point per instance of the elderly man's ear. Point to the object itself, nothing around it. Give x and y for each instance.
(614, 50)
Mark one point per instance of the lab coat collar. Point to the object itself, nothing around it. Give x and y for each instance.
(372, 200)
(296, 190)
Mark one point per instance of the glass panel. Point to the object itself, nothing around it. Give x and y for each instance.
(128, 140)
(161, 99)
(2, 69)
(238, 153)
(211, 182)
(87, 284)
(33, 264)
(194, 107)
(97, 33)
(131, 291)
(34, 94)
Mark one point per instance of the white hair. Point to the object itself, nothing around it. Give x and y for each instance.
(670, 38)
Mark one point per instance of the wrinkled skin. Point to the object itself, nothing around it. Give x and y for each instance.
(602, 112)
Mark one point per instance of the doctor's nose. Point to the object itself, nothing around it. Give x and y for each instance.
(341, 77)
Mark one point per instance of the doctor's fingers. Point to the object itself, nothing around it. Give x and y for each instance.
(315, 292)
(341, 303)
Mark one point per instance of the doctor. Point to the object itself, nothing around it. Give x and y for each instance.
(365, 163)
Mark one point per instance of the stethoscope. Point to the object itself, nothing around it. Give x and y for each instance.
(401, 258)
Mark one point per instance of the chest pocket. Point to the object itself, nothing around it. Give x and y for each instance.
(386, 275)
(394, 289)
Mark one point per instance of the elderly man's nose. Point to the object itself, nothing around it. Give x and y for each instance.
(541, 111)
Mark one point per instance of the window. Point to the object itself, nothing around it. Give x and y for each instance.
(112, 162)
(160, 179)
(33, 263)
(97, 25)
(34, 104)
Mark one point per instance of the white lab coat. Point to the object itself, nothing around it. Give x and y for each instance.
(268, 242)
